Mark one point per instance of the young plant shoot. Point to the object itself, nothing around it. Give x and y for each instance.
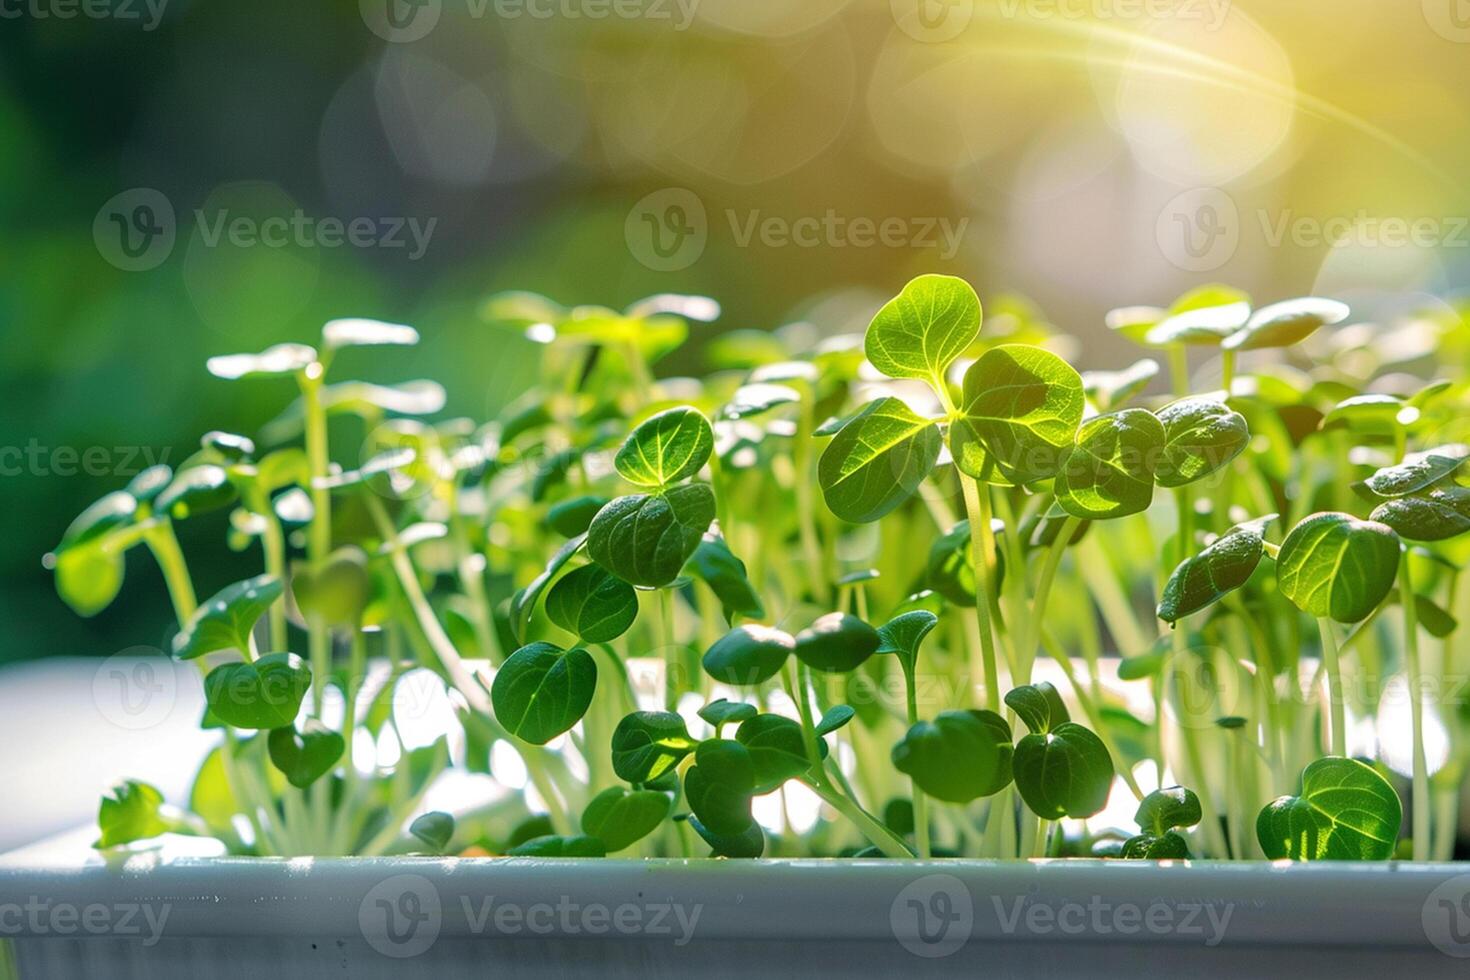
(797, 607)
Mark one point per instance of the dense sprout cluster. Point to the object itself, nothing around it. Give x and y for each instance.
(829, 571)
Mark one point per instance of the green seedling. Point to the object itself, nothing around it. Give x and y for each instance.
(835, 567)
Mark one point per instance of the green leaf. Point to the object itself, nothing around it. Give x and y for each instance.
(542, 690)
(1286, 323)
(923, 329)
(572, 517)
(1418, 470)
(269, 363)
(1225, 565)
(130, 813)
(335, 592)
(1019, 414)
(1346, 811)
(359, 332)
(950, 570)
(89, 576)
(647, 744)
(1167, 808)
(834, 718)
(621, 818)
(523, 603)
(724, 712)
(435, 829)
(227, 446)
(748, 655)
(1134, 322)
(1435, 620)
(1366, 413)
(725, 574)
(226, 620)
(646, 539)
(552, 846)
(114, 510)
(1201, 435)
(1110, 471)
(265, 693)
(756, 399)
(749, 843)
(1112, 389)
(1204, 326)
(720, 784)
(1065, 773)
(1337, 565)
(877, 460)
(836, 642)
(959, 756)
(149, 484)
(306, 755)
(1168, 846)
(904, 634)
(666, 448)
(777, 750)
(196, 490)
(1435, 514)
(593, 604)
(1039, 705)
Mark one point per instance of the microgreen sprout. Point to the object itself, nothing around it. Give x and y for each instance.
(822, 577)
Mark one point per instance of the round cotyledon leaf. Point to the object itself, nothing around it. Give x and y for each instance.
(593, 604)
(259, 694)
(645, 539)
(542, 690)
(647, 744)
(836, 642)
(1335, 565)
(1201, 435)
(306, 755)
(1435, 514)
(666, 448)
(621, 817)
(720, 785)
(1418, 470)
(959, 756)
(1064, 773)
(1110, 471)
(877, 460)
(1286, 323)
(923, 329)
(224, 622)
(1019, 414)
(1225, 565)
(1345, 811)
(749, 654)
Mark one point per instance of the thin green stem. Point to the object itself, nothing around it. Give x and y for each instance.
(1335, 697)
(673, 655)
(165, 547)
(979, 517)
(868, 825)
(1420, 799)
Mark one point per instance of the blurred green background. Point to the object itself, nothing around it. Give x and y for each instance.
(1085, 153)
